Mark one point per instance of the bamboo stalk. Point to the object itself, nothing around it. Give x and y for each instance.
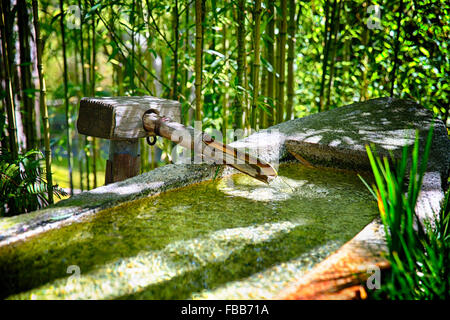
(186, 119)
(10, 106)
(3, 144)
(149, 55)
(175, 24)
(93, 58)
(144, 154)
(246, 106)
(78, 136)
(118, 67)
(238, 104)
(87, 139)
(225, 89)
(133, 47)
(396, 48)
(277, 63)
(25, 75)
(198, 60)
(365, 64)
(271, 60)
(282, 63)
(82, 56)
(83, 142)
(263, 89)
(42, 102)
(290, 60)
(154, 162)
(336, 22)
(76, 70)
(144, 147)
(346, 51)
(66, 96)
(256, 60)
(325, 55)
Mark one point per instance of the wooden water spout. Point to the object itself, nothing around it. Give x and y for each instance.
(123, 120)
(204, 145)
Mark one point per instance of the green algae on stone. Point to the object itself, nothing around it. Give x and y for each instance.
(87, 203)
(195, 242)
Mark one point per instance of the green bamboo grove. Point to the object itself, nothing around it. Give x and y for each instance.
(232, 64)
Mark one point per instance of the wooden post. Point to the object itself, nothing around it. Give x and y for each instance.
(124, 160)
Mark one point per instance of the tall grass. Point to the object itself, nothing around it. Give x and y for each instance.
(419, 252)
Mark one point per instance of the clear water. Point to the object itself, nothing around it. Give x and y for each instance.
(230, 238)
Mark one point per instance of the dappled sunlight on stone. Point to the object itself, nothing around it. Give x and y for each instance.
(224, 238)
(126, 189)
(257, 285)
(281, 188)
(391, 140)
(126, 276)
(191, 239)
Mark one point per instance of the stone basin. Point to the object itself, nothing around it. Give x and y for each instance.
(335, 139)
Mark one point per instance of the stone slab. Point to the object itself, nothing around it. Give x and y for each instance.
(336, 138)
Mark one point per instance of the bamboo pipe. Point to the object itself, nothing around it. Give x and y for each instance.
(207, 147)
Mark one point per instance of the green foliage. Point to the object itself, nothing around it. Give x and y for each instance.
(419, 252)
(363, 68)
(135, 48)
(23, 187)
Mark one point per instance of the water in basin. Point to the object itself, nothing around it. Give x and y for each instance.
(230, 238)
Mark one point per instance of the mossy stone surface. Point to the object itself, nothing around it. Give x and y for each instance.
(87, 203)
(332, 139)
(225, 238)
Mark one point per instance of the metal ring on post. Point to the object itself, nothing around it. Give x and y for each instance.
(155, 131)
(151, 142)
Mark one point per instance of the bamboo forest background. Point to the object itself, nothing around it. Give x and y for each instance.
(232, 64)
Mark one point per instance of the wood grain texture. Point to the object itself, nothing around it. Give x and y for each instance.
(121, 117)
(122, 167)
(343, 275)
